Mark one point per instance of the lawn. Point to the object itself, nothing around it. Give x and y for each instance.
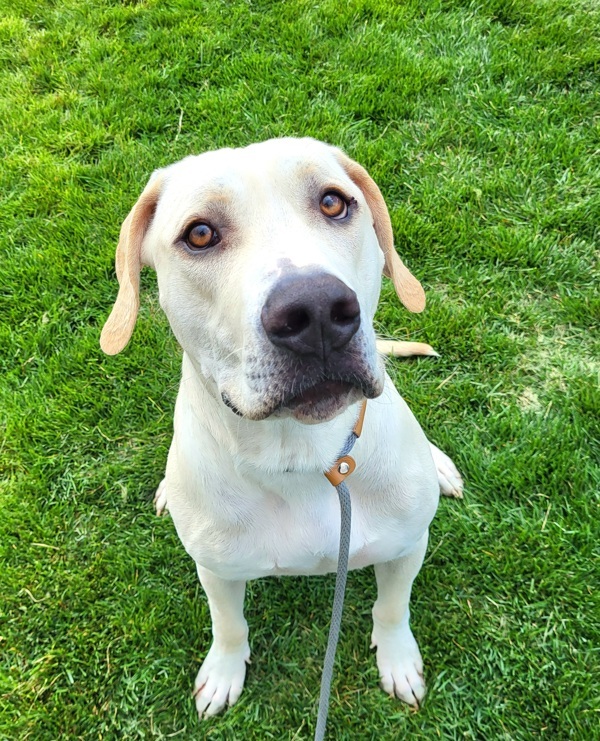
(479, 120)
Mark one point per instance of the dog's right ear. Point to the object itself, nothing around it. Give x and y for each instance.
(128, 262)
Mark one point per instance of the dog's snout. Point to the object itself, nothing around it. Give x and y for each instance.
(311, 313)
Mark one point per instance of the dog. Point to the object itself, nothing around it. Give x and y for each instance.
(269, 262)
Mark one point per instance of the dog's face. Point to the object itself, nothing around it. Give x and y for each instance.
(269, 262)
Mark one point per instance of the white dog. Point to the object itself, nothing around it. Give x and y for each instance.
(269, 262)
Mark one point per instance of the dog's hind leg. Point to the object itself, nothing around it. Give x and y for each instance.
(160, 499)
(451, 483)
(221, 677)
(398, 657)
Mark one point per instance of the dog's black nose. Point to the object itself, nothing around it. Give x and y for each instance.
(311, 313)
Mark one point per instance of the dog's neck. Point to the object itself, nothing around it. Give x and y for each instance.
(273, 445)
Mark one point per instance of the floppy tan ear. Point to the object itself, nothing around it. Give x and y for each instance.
(128, 262)
(408, 288)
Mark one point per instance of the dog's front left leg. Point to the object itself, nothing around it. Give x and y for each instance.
(398, 657)
(221, 677)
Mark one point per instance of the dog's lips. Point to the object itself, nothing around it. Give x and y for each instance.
(307, 399)
(317, 403)
(322, 401)
(319, 392)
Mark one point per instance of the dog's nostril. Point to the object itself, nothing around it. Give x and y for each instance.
(296, 321)
(344, 312)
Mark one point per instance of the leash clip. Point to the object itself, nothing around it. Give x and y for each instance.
(345, 464)
(340, 470)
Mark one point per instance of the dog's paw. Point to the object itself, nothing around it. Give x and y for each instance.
(220, 680)
(451, 483)
(400, 665)
(160, 499)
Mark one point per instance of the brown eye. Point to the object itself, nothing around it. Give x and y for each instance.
(334, 206)
(201, 236)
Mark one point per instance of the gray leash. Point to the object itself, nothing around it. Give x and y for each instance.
(343, 467)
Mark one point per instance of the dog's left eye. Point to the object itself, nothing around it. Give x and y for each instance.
(201, 236)
(333, 205)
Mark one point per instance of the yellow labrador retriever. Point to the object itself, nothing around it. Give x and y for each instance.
(269, 262)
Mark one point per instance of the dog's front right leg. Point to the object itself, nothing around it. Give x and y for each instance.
(221, 677)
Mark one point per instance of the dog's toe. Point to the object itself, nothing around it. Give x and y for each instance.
(220, 680)
(450, 480)
(400, 665)
(404, 682)
(160, 499)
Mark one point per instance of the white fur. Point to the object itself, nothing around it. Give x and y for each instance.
(247, 493)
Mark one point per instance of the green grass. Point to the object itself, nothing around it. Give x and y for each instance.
(480, 122)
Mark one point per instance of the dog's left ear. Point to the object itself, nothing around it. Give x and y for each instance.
(128, 262)
(408, 288)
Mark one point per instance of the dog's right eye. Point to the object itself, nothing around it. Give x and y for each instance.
(201, 236)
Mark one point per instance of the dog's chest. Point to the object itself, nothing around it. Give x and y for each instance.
(292, 527)
(242, 517)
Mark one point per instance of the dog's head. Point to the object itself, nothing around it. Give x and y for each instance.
(269, 262)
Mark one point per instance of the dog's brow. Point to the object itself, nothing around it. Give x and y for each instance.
(215, 192)
(206, 201)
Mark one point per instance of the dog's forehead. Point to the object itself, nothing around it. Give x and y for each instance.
(277, 165)
(289, 154)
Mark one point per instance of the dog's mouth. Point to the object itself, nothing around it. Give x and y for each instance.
(304, 392)
(317, 402)
(319, 392)
(321, 401)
